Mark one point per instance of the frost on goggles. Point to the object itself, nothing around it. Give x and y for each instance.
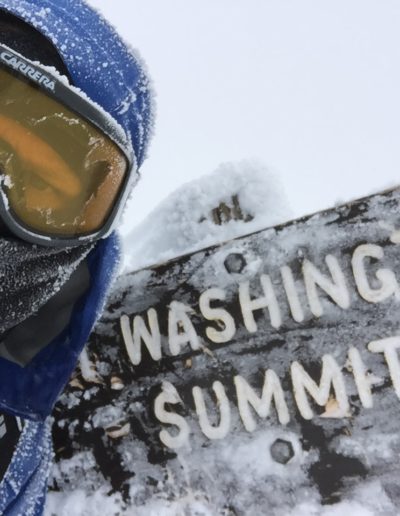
(61, 175)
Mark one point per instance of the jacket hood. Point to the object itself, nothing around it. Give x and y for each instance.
(99, 62)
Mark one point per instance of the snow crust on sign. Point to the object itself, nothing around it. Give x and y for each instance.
(183, 222)
(371, 500)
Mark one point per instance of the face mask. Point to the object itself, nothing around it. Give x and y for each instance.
(32, 298)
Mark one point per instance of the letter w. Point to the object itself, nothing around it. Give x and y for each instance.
(133, 340)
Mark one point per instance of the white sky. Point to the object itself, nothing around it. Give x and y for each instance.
(311, 88)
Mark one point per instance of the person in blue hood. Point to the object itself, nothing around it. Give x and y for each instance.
(75, 120)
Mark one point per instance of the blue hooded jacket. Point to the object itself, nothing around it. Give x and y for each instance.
(109, 73)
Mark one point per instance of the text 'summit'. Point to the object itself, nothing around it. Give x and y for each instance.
(373, 285)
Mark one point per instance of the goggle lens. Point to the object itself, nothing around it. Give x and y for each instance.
(61, 174)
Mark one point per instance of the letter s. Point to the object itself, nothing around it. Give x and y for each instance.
(170, 395)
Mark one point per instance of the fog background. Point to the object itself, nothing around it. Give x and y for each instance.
(310, 88)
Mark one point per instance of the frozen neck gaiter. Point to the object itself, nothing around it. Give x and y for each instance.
(38, 287)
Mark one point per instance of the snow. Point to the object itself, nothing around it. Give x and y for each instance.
(100, 502)
(371, 501)
(80, 503)
(183, 222)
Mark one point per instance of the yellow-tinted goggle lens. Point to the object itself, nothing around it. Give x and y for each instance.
(62, 175)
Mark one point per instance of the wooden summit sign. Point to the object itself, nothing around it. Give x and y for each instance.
(252, 374)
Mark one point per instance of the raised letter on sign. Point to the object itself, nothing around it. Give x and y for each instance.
(360, 377)
(336, 289)
(389, 348)
(246, 396)
(213, 432)
(291, 294)
(331, 376)
(386, 277)
(268, 300)
(217, 314)
(180, 328)
(170, 395)
(151, 338)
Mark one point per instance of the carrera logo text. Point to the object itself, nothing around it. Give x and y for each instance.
(28, 70)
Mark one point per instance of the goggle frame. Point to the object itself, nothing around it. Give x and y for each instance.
(59, 88)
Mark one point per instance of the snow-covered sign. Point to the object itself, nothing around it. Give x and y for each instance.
(260, 373)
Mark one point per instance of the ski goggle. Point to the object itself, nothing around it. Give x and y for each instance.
(66, 167)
